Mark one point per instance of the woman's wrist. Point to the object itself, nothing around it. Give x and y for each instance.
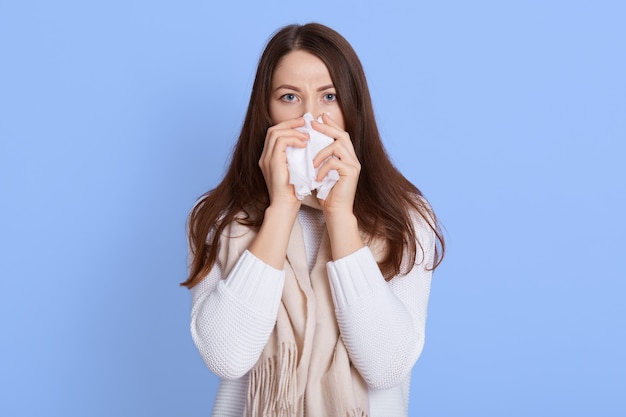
(340, 218)
(283, 210)
(270, 244)
(343, 231)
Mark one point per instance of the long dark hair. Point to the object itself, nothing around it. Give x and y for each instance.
(385, 199)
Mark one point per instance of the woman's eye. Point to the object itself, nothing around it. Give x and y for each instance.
(288, 97)
(330, 97)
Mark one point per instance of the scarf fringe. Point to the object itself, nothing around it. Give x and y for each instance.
(272, 390)
(356, 413)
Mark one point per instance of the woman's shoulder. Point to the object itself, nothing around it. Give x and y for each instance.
(227, 222)
(420, 211)
(232, 227)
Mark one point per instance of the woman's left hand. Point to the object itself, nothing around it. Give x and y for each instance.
(343, 159)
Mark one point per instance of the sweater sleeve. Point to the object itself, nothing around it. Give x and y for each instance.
(232, 318)
(382, 323)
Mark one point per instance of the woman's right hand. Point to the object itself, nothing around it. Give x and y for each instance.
(273, 161)
(270, 243)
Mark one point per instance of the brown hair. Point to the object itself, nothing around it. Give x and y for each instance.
(384, 200)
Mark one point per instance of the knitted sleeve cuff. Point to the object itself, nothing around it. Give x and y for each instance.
(256, 284)
(354, 277)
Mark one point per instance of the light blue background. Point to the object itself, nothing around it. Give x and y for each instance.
(509, 115)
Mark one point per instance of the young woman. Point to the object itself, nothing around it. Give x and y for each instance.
(311, 307)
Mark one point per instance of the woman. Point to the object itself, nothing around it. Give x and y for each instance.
(312, 307)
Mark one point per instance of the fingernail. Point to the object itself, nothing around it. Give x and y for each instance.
(329, 116)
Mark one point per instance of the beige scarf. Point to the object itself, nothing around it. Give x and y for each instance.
(304, 369)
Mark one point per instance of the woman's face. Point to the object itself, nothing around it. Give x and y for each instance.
(302, 84)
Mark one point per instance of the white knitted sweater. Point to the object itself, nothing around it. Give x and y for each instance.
(382, 323)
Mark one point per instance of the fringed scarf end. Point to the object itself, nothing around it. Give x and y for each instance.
(357, 413)
(272, 389)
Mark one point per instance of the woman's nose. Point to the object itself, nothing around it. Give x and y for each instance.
(313, 108)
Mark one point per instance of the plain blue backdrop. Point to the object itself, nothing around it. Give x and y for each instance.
(509, 115)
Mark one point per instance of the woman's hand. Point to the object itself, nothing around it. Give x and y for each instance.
(273, 161)
(341, 223)
(343, 159)
(270, 243)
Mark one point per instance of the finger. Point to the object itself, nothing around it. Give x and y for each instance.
(285, 125)
(337, 150)
(344, 169)
(345, 147)
(330, 128)
(325, 153)
(274, 159)
(327, 119)
(278, 133)
(288, 124)
(294, 137)
(289, 138)
(334, 132)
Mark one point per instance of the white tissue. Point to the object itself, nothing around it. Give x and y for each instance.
(302, 174)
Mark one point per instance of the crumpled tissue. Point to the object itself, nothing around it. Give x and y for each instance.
(302, 173)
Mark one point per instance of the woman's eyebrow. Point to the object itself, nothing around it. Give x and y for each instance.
(294, 88)
(326, 87)
(287, 87)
